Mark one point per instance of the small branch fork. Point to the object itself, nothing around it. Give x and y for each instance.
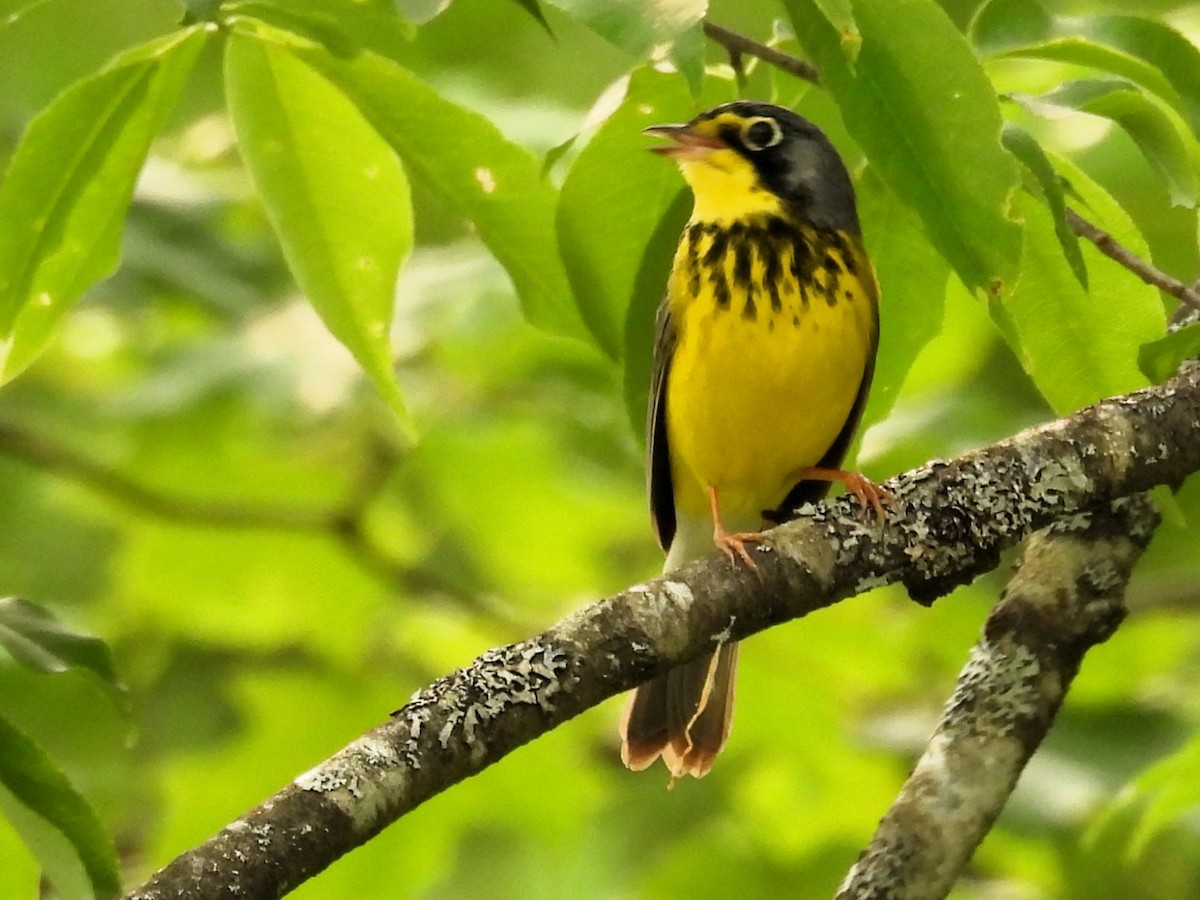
(1068, 594)
(947, 523)
(740, 45)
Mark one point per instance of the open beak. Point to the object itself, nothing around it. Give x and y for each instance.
(689, 143)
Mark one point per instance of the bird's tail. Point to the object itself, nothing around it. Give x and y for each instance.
(682, 715)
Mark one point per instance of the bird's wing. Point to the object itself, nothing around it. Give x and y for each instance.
(658, 453)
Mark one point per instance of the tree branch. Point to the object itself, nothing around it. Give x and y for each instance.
(947, 523)
(1066, 596)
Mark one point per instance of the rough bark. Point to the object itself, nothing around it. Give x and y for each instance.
(1068, 594)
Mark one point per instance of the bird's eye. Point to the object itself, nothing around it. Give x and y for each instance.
(761, 133)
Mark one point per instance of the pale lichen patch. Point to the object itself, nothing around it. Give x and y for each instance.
(521, 674)
(328, 778)
(998, 688)
(679, 592)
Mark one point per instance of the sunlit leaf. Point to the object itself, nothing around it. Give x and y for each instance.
(1158, 130)
(1149, 53)
(1077, 345)
(1159, 45)
(335, 194)
(343, 26)
(840, 14)
(636, 26)
(1160, 359)
(12, 11)
(37, 639)
(64, 196)
(930, 123)
(1023, 146)
(468, 166)
(54, 820)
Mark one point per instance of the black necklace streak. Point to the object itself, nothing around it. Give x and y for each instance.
(792, 260)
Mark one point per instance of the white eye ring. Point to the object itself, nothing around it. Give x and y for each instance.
(757, 142)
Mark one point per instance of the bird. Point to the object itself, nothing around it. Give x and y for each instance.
(764, 351)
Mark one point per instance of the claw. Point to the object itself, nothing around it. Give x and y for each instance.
(862, 487)
(732, 544)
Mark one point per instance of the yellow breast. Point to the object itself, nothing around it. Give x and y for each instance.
(776, 323)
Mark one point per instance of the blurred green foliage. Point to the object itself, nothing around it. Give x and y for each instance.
(180, 464)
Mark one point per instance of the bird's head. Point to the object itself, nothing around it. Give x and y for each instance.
(742, 159)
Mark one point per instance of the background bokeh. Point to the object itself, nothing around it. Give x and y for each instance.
(195, 388)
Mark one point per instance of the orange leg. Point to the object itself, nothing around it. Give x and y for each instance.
(856, 483)
(732, 544)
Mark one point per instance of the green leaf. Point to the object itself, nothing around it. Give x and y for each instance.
(1163, 794)
(840, 14)
(1021, 144)
(687, 55)
(12, 11)
(54, 820)
(1002, 26)
(1077, 345)
(1159, 46)
(1160, 359)
(197, 11)
(930, 123)
(604, 222)
(69, 183)
(344, 27)
(534, 9)
(1159, 131)
(636, 26)
(1146, 52)
(912, 281)
(1169, 507)
(334, 192)
(464, 161)
(36, 639)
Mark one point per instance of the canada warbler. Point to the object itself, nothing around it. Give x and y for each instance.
(763, 357)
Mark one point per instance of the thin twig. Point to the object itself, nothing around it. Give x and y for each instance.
(738, 44)
(1109, 246)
